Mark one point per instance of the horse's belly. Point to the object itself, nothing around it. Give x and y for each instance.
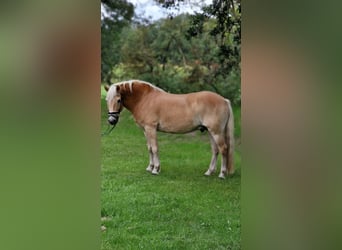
(178, 126)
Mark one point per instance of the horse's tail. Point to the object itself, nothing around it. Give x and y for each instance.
(230, 139)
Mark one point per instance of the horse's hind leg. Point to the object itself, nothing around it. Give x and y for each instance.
(215, 151)
(223, 149)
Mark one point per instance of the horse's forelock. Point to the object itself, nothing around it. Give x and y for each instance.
(111, 92)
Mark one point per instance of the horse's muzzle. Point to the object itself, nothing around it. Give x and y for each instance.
(113, 118)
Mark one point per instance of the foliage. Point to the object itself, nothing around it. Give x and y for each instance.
(162, 54)
(118, 14)
(183, 53)
(226, 31)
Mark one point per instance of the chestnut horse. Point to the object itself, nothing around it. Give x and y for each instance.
(156, 110)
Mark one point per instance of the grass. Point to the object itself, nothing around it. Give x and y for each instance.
(178, 209)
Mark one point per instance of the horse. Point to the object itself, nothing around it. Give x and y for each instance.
(155, 110)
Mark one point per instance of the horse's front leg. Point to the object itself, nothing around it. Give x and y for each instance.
(149, 148)
(150, 165)
(152, 145)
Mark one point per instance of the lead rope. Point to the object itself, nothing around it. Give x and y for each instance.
(114, 114)
(108, 131)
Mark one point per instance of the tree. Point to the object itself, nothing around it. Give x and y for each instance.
(226, 31)
(170, 45)
(220, 52)
(116, 14)
(182, 53)
(137, 53)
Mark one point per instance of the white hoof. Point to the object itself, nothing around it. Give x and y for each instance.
(208, 173)
(222, 176)
(149, 168)
(155, 172)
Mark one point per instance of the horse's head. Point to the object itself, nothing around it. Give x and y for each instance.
(114, 103)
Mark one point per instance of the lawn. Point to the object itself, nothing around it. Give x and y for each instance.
(178, 209)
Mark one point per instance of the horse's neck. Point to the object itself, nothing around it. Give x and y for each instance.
(134, 95)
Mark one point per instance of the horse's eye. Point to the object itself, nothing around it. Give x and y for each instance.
(119, 101)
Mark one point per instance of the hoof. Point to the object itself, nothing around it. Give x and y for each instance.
(222, 176)
(149, 169)
(208, 173)
(231, 172)
(155, 172)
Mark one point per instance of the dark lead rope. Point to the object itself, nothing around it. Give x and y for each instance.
(109, 130)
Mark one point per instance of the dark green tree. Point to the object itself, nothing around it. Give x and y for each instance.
(226, 31)
(137, 53)
(117, 14)
(171, 45)
(215, 33)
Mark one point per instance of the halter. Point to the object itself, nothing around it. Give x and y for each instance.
(115, 115)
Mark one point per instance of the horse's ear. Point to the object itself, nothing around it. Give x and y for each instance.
(118, 89)
(106, 87)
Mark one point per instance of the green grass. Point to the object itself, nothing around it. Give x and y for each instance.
(178, 209)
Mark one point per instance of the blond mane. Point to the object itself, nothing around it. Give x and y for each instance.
(112, 90)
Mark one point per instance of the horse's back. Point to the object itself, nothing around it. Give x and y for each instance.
(206, 97)
(187, 104)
